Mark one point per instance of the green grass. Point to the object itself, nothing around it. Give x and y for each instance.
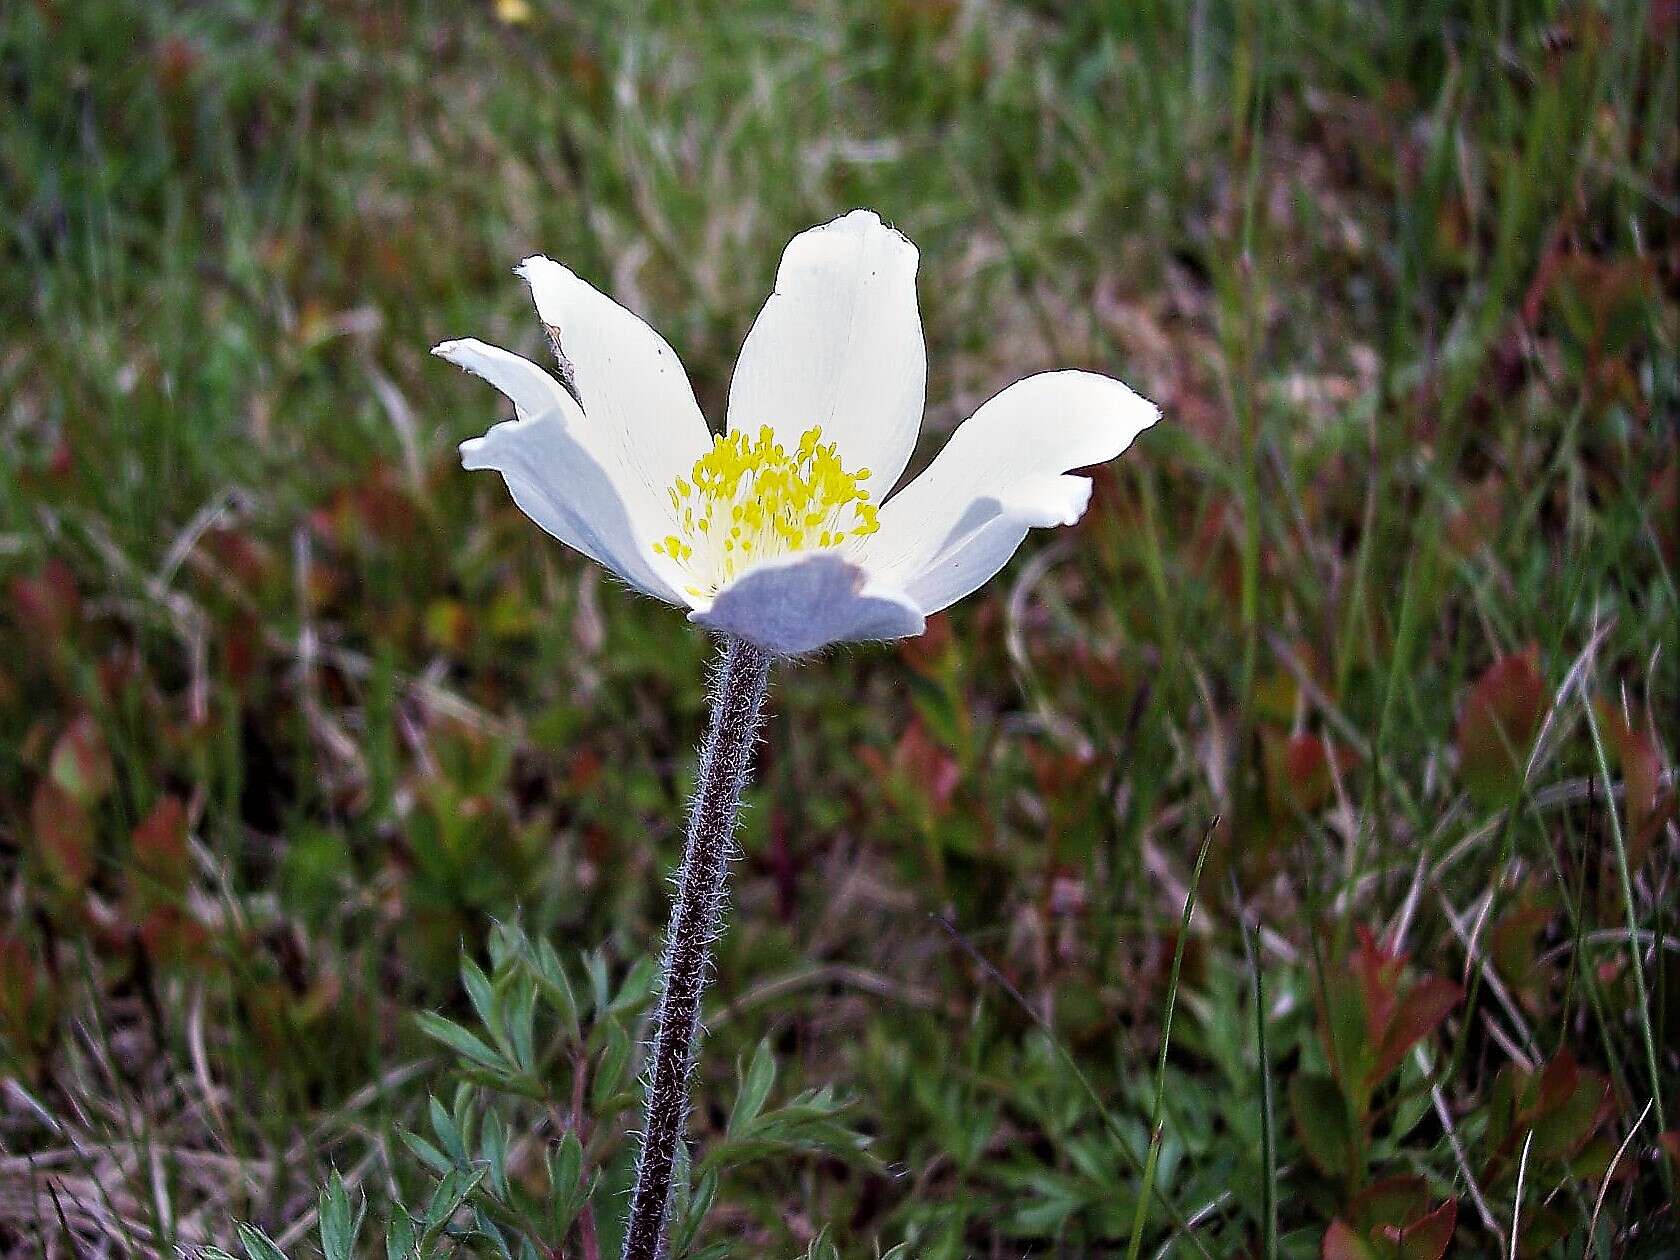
(1402, 277)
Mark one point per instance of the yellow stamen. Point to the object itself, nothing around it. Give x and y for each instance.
(765, 503)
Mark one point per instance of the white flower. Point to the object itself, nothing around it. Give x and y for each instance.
(785, 530)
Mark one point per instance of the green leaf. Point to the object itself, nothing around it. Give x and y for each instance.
(755, 1088)
(637, 990)
(822, 1247)
(493, 1149)
(521, 1018)
(399, 1235)
(1322, 1124)
(427, 1154)
(258, 1245)
(488, 1229)
(691, 1202)
(446, 1200)
(557, 986)
(1347, 1024)
(507, 941)
(610, 1071)
(448, 1135)
(567, 1165)
(482, 994)
(459, 1040)
(465, 1115)
(595, 967)
(339, 1223)
(565, 1175)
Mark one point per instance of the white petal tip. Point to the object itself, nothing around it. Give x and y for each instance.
(1116, 411)
(1045, 502)
(859, 230)
(866, 223)
(1078, 497)
(536, 262)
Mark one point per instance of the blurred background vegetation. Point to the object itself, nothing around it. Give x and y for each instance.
(295, 715)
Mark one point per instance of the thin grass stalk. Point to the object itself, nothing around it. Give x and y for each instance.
(738, 688)
(1122, 1138)
(1268, 1136)
(1141, 1213)
(1638, 961)
(1592, 1237)
(1516, 1203)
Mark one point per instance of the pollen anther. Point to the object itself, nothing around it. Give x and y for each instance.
(765, 502)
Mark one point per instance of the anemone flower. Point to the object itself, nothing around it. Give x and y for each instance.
(784, 534)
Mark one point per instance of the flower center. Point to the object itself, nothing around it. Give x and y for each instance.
(749, 499)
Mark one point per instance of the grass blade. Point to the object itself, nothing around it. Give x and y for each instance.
(1142, 1212)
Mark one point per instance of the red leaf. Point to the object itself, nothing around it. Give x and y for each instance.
(18, 985)
(1497, 726)
(1561, 1104)
(1649, 804)
(927, 652)
(1390, 1201)
(1420, 1013)
(160, 849)
(1425, 1238)
(62, 834)
(1513, 942)
(1564, 1127)
(174, 61)
(1378, 972)
(1557, 1082)
(1058, 774)
(48, 606)
(1341, 1243)
(81, 766)
(249, 561)
(924, 769)
(172, 936)
(1297, 771)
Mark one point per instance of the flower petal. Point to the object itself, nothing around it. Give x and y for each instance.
(1002, 472)
(798, 603)
(630, 382)
(553, 473)
(839, 344)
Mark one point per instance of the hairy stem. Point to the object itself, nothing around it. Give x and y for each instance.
(738, 688)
